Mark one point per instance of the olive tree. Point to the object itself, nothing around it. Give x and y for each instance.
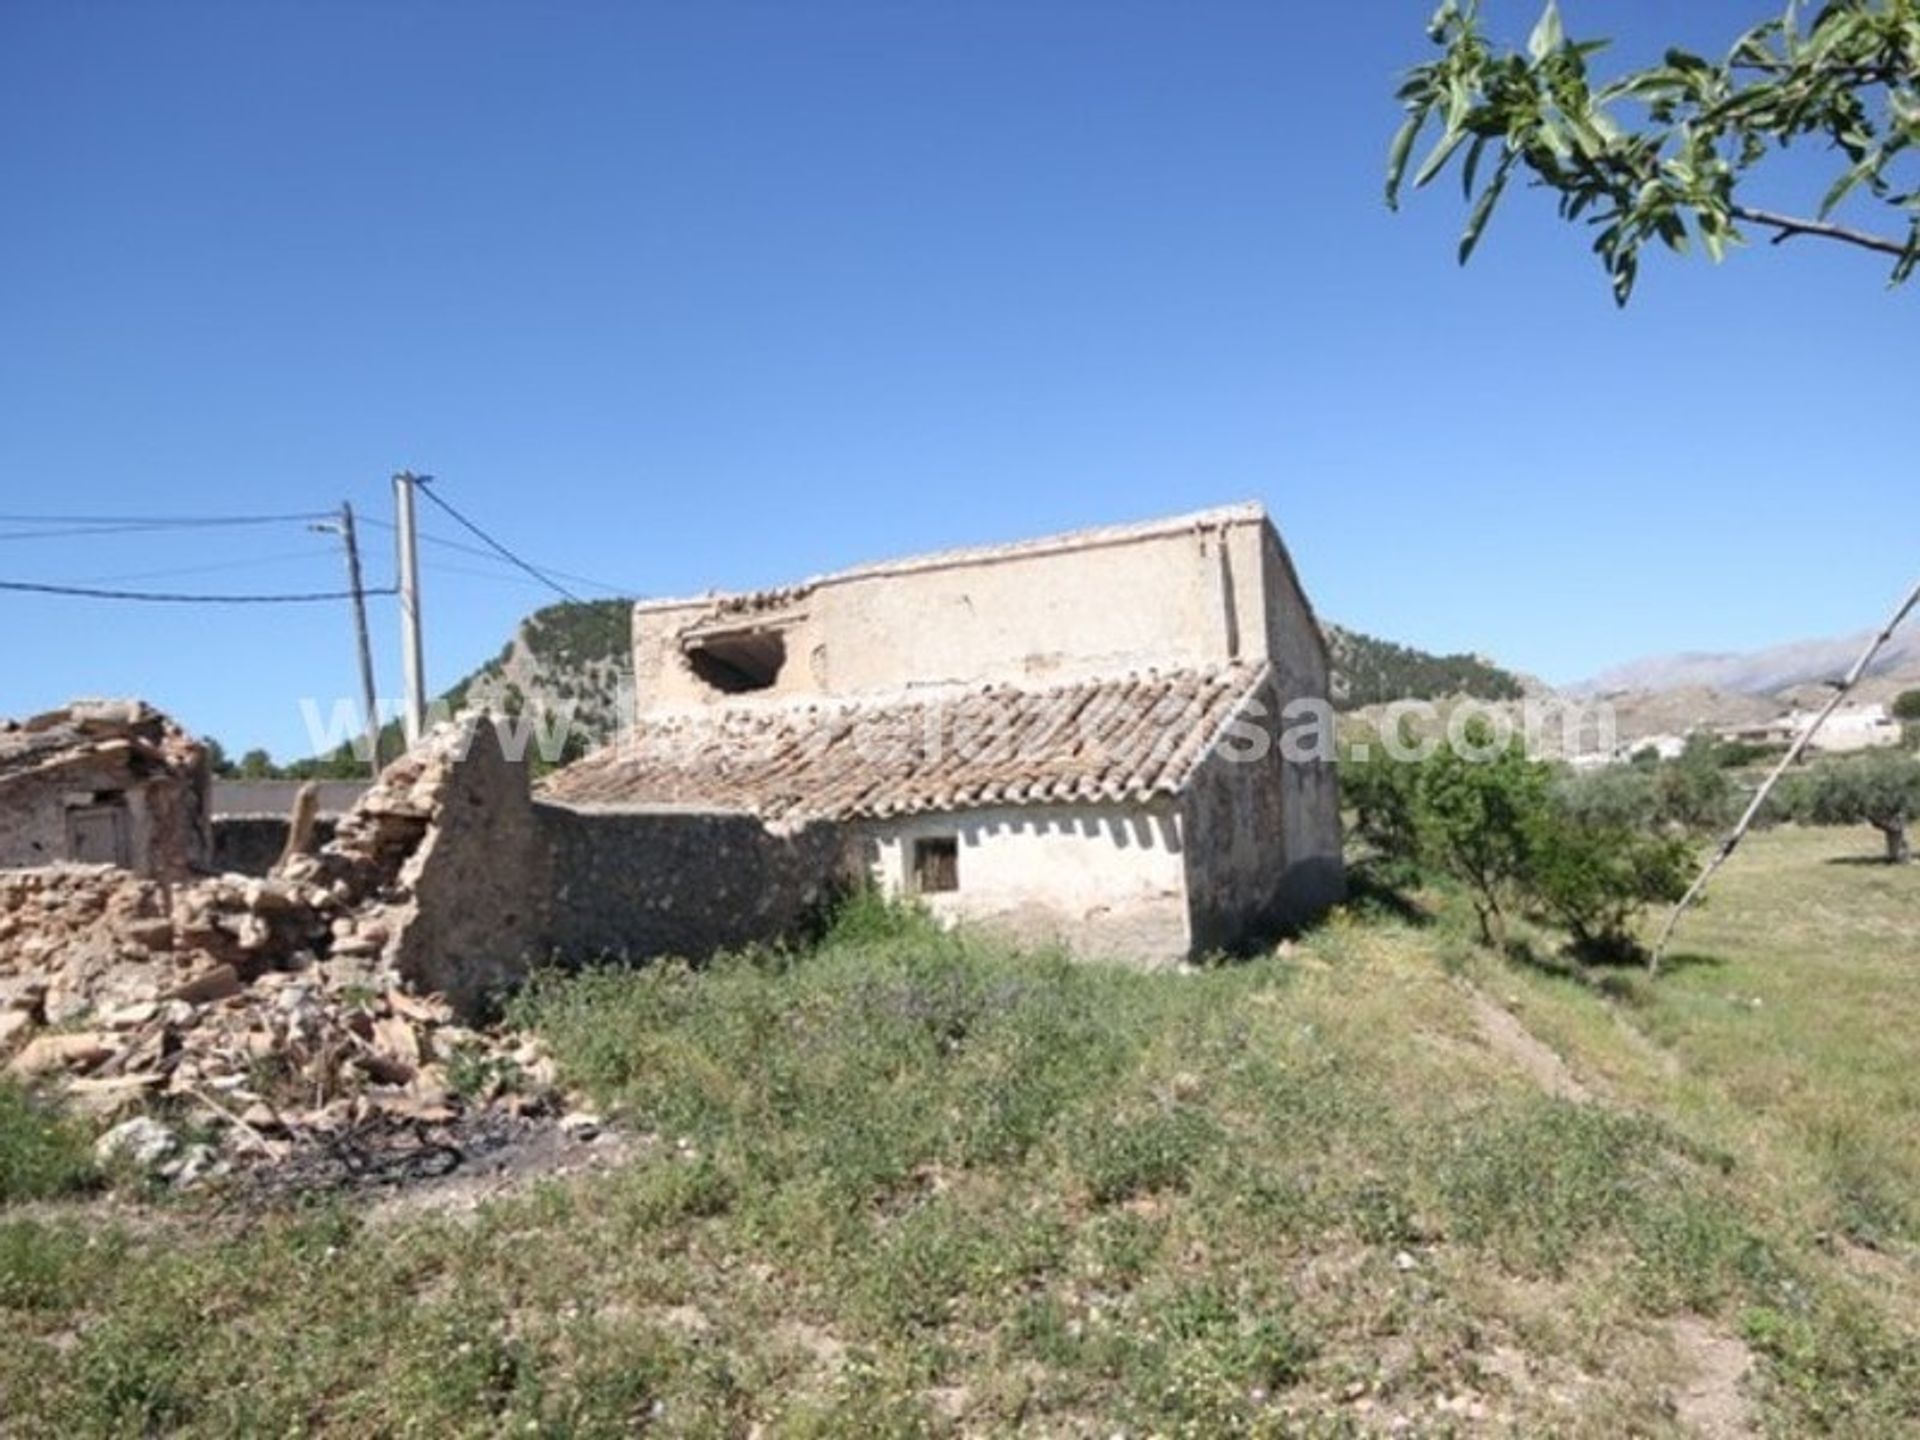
(1881, 789)
(1674, 152)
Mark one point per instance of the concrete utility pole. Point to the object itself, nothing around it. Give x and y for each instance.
(370, 703)
(410, 655)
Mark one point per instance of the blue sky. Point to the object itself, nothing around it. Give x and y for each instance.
(681, 296)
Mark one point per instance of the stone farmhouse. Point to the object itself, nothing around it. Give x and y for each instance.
(1078, 739)
(1073, 739)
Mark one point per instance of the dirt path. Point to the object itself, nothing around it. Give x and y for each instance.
(1713, 1402)
(1506, 1036)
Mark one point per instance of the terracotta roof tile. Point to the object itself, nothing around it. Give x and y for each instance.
(1130, 736)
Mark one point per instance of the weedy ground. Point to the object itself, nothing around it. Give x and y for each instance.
(911, 1182)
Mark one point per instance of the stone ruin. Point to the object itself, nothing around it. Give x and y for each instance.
(337, 993)
(110, 782)
(347, 989)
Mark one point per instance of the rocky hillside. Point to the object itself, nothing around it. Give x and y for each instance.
(1370, 671)
(567, 654)
(571, 654)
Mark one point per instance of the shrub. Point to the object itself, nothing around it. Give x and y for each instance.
(1381, 793)
(1616, 796)
(1692, 793)
(1476, 818)
(1595, 879)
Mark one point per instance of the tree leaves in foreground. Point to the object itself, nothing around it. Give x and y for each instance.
(1670, 153)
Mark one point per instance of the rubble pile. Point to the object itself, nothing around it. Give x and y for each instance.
(264, 1013)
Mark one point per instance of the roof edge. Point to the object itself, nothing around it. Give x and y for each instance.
(1246, 512)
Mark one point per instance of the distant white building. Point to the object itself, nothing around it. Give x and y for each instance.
(1666, 747)
(1851, 727)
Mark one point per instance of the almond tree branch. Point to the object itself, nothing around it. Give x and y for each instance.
(1861, 74)
(1788, 226)
(1794, 752)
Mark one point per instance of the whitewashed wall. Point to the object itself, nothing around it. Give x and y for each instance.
(1106, 881)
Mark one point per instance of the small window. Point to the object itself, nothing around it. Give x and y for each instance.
(936, 865)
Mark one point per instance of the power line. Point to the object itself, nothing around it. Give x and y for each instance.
(494, 544)
(444, 567)
(444, 543)
(89, 593)
(69, 526)
(87, 523)
(171, 570)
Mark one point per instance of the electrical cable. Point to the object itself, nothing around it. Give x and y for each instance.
(534, 571)
(90, 593)
(619, 591)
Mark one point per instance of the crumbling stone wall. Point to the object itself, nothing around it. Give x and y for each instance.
(479, 885)
(447, 877)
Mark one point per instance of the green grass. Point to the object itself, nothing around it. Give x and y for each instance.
(42, 1152)
(914, 1183)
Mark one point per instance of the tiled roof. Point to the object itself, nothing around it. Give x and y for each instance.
(1128, 737)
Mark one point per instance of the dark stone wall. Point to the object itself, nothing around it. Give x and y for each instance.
(635, 884)
(251, 844)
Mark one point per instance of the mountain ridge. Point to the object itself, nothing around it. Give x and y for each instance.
(1769, 670)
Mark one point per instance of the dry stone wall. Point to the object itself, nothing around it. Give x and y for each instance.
(636, 884)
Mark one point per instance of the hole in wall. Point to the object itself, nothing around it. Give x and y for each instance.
(738, 663)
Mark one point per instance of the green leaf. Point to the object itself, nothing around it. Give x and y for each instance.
(1548, 35)
(1673, 230)
(1397, 156)
(1472, 167)
(1483, 209)
(1909, 259)
(1438, 156)
(1711, 238)
(1843, 187)
(1626, 269)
